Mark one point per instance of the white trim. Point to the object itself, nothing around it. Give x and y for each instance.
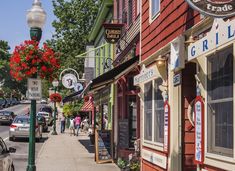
(152, 18)
(209, 157)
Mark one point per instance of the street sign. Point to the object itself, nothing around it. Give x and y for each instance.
(34, 89)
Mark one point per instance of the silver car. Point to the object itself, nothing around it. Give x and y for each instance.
(20, 128)
(6, 163)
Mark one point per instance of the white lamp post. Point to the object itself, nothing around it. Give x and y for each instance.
(55, 84)
(36, 18)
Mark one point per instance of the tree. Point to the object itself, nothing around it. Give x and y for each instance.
(75, 19)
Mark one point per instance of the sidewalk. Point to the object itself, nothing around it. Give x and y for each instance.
(63, 152)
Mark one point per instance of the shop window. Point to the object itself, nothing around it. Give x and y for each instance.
(220, 103)
(154, 8)
(148, 106)
(153, 112)
(132, 111)
(158, 112)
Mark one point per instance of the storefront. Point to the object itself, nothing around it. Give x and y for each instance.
(213, 56)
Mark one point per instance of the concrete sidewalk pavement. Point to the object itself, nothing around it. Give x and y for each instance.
(63, 152)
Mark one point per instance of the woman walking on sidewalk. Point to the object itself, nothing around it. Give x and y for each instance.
(62, 123)
(77, 123)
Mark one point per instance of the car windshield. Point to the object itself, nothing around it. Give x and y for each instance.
(23, 120)
(43, 114)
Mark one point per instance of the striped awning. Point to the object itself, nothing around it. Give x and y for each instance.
(87, 106)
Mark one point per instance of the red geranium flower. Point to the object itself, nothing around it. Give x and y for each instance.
(56, 97)
(28, 59)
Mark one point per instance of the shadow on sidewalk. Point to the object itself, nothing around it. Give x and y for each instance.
(87, 144)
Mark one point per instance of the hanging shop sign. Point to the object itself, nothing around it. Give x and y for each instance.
(166, 126)
(221, 33)
(69, 80)
(215, 8)
(145, 75)
(34, 89)
(199, 130)
(112, 32)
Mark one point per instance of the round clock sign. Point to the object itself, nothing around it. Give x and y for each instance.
(69, 80)
(215, 8)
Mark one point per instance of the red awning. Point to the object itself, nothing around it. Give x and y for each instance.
(87, 106)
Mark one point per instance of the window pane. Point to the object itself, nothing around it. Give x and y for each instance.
(220, 102)
(158, 112)
(155, 7)
(148, 88)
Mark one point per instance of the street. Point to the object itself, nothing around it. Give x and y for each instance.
(20, 157)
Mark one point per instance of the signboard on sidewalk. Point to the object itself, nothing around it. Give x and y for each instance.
(123, 141)
(103, 146)
(34, 89)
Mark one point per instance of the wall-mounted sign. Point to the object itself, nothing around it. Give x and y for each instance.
(215, 8)
(221, 33)
(69, 80)
(34, 89)
(145, 75)
(155, 158)
(166, 126)
(78, 87)
(199, 130)
(177, 79)
(112, 32)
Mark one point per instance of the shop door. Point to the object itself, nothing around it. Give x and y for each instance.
(188, 95)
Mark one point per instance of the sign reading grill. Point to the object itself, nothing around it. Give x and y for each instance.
(112, 32)
(215, 8)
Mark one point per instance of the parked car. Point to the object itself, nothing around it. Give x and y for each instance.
(47, 116)
(6, 162)
(42, 122)
(2, 103)
(9, 103)
(43, 101)
(20, 128)
(6, 117)
(14, 101)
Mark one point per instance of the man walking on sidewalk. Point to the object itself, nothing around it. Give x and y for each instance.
(62, 123)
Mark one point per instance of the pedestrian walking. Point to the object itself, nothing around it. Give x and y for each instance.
(62, 123)
(71, 126)
(77, 123)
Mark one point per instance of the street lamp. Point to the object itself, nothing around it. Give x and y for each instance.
(36, 18)
(55, 84)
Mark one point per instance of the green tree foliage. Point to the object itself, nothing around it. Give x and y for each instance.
(75, 19)
(7, 82)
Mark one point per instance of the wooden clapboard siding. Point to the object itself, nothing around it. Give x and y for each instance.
(188, 94)
(175, 18)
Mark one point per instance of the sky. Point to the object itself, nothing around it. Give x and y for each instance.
(13, 24)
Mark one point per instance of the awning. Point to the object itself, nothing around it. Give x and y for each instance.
(115, 73)
(87, 106)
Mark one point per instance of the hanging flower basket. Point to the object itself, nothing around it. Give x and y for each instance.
(56, 97)
(29, 60)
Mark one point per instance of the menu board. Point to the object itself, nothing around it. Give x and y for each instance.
(123, 135)
(104, 146)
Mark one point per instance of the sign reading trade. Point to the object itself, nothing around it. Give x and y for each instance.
(112, 32)
(215, 8)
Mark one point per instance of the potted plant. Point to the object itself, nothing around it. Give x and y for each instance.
(122, 164)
